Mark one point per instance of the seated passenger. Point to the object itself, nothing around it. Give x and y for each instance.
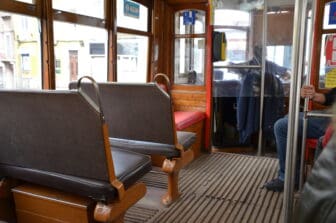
(316, 127)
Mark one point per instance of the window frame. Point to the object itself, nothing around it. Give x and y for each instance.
(174, 36)
(319, 31)
(42, 10)
(148, 34)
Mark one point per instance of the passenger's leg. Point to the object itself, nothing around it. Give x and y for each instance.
(280, 133)
(315, 128)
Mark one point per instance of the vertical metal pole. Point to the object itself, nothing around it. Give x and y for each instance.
(294, 107)
(305, 118)
(262, 88)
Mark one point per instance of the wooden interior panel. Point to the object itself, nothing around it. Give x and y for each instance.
(40, 204)
(189, 100)
(279, 28)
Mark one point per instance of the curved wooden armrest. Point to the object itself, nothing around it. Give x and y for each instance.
(113, 211)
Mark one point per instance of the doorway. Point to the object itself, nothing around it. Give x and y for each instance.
(257, 57)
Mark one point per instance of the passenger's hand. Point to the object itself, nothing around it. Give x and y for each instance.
(308, 91)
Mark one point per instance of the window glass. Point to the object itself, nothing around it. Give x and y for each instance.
(189, 61)
(20, 52)
(281, 55)
(94, 8)
(236, 45)
(132, 51)
(226, 17)
(26, 1)
(237, 25)
(190, 22)
(132, 15)
(80, 51)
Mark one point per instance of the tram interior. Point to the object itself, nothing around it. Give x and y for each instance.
(182, 102)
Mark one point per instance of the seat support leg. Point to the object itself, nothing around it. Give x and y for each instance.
(7, 208)
(173, 191)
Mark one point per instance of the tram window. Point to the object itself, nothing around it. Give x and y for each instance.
(236, 47)
(76, 48)
(225, 17)
(236, 25)
(132, 51)
(189, 47)
(20, 51)
(189, 56)
(132, 15)
(184, 26)
(280, 54)
(26, 1)
(94, 8)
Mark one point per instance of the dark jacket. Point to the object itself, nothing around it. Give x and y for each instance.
(330, 97)
(248, 105)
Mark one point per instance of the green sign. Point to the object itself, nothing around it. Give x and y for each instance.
(131, 9)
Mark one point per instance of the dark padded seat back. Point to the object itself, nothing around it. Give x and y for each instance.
(143, 116)
(40, 126)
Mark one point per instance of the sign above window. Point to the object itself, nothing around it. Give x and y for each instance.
(189, 17)
(131, 9)
(332, 13)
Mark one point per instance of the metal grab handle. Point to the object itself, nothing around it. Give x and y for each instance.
(238, 66)
(166, 78)
(96, 88)
(319, 114)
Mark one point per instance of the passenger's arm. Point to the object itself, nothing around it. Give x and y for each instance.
(309, 91)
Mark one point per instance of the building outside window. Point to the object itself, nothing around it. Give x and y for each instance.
(20, 51)
(132, 49)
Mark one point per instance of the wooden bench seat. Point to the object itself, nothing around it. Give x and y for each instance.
(191, 121)
(59, 140)
(185, 119)
(140, 118)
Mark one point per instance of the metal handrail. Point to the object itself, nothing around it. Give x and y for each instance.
(238, 66)
(318, 114)
(294, 108)
(306, 102)
(262, 89)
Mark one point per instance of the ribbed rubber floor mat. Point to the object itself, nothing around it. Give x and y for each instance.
(222, 187)
(139, 214)
(155, 179)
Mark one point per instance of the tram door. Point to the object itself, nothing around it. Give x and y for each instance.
(251, 81)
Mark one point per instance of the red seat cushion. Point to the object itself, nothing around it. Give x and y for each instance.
(327, 135)
(163, 87)
(184, 119)
(311, 144)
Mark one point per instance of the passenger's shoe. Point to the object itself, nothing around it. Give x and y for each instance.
(275, 185)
